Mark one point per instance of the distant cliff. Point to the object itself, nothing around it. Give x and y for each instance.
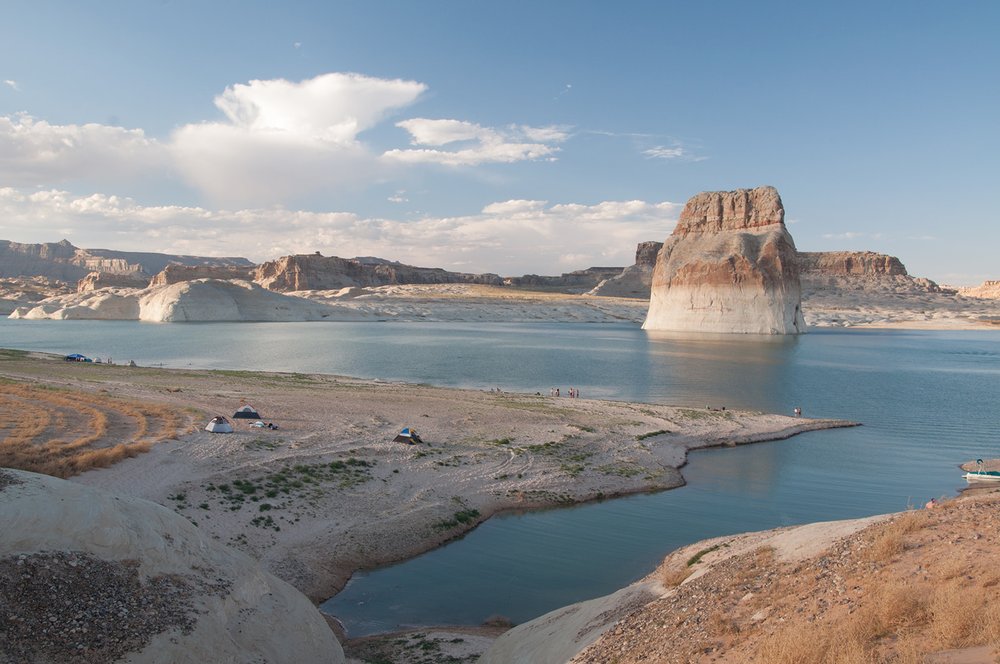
(633, 281)
(65, 262)
(317, 272)
(858, 271)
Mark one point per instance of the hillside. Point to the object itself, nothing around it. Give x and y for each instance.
(908, 587)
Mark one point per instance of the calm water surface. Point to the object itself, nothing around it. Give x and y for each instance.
(927, 400)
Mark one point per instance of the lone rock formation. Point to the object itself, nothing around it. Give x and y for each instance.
(728, 267)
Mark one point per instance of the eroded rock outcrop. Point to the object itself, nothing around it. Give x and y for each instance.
(111, 578)
(988, 290)
(729, 267)
(317, 272)
(635, 280)
(176, 273)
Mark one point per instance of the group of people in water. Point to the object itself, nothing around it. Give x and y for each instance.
(573, 393)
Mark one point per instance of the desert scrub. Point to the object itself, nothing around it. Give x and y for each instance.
(696, 558)
(622, 470)
(644, 436)
(460, 517)
(299, 480)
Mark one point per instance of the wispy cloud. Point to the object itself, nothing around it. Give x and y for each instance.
(475, 144)
(398, 196)
(11, 84)
(671, 152)
(507, 237)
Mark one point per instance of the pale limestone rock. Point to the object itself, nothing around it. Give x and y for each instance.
(558, 636)
(100, 305)
(202, 300)
(215, 300)
(729, 267)
(242, 613)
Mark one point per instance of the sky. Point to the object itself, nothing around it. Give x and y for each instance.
(510, 137)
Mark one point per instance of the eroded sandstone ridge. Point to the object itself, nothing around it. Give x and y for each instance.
(729, 267)
(635, 280)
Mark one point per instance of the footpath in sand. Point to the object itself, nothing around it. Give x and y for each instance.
(328, 492)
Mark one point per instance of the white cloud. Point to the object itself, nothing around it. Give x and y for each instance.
(34, 152)
(283, 138)
(507, 237)
(399, 196)
(11, 84)
(482, 144)
(278, 139)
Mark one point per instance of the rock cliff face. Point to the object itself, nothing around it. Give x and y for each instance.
(316, 272)
(635, 280)
(112, 578)
(729, 267)
(579, 281)
(98, 280)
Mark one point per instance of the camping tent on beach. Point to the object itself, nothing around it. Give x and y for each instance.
(246, 413)
(408, 436)
(219, 424)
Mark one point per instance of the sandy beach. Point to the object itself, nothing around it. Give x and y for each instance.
(328, 492)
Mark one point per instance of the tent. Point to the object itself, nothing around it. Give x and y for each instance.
(219, 424)
(247, 413)
(408, 436)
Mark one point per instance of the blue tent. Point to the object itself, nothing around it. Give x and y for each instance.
(407, 435)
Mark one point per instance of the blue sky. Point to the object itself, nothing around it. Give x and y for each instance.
(508, 137)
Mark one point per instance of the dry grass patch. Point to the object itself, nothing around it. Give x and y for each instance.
(889, 539)
(64, 433)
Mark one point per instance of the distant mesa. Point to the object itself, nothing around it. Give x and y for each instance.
(316, 272)
(728, 267)
(65, 262)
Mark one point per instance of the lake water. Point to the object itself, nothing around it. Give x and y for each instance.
(928, 401)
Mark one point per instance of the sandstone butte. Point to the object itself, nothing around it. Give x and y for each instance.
(728, 267)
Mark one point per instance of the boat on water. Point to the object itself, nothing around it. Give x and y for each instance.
(980, 474)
